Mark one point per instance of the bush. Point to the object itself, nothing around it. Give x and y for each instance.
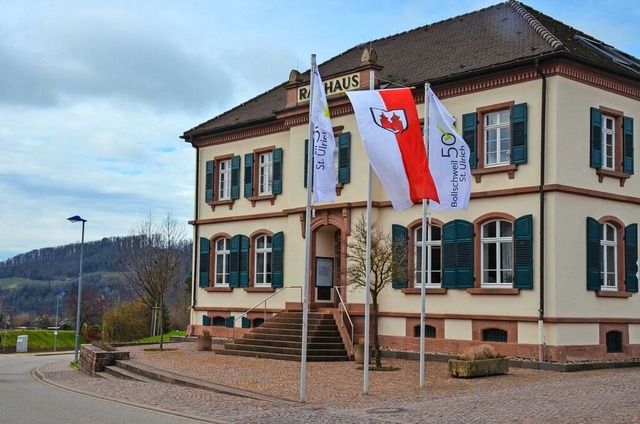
(476, 353)
(126, 322)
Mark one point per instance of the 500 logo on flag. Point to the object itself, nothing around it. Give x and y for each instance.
(449, 159)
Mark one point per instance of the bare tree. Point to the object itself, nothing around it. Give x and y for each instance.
(151, 264)
(388, 261)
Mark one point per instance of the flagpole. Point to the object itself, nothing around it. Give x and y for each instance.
(307, 255)
(423, 271)
(367, 349)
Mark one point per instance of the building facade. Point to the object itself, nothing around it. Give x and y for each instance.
(543, 262)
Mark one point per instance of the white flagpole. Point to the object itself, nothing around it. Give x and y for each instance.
(423, 271)
(367, 302)
(307, 256)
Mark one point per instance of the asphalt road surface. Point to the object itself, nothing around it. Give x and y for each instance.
(24, 399)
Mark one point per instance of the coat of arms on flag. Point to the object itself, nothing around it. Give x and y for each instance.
(391, 120)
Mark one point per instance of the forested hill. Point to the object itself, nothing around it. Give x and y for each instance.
(62, 262)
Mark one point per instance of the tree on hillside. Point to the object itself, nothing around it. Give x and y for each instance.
(388, 262)
(151, 264)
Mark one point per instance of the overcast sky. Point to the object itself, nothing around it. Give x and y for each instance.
(95, 94)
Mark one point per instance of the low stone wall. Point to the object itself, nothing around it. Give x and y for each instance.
(93, 359)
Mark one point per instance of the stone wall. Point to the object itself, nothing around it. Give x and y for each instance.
(93, 359)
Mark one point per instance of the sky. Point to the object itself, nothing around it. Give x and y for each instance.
(94, 95)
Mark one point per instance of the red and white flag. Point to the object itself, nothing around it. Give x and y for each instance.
(448, 159)
(390, 131)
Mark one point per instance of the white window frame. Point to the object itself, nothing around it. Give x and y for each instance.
(265, 173)
(497, 138)
(609, 257)
(221, 254)
(224, 179)
(608, 142)
(263, 249)
(431, 245)
(498, 243)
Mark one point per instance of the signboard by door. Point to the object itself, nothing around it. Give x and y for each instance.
(324, 279)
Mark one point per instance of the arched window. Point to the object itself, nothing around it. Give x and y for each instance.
(497, 254)
(262, 261)
(429, 331)
(257, 322)
(614, 342)
(432, 244)
(494, 335)
(218, 321)
(221, 262)
(609, 257)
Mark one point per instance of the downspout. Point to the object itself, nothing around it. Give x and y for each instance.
(543, 127)
(196, 240)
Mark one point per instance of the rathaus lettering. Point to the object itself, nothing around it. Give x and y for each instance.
(333, 86)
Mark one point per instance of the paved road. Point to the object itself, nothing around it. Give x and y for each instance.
(23, 399)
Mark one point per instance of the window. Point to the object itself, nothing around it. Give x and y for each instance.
(614, 342)
(341, 159)
(505, 253)
(494, 335)
(265, 174)
(497, 138)
(611, 142)
(264, 180)
(497, 254)
(429, 331)
(433, 252)
(609, 257)
(222, 181)
(612, 251)
(221, 263)
(263, 261)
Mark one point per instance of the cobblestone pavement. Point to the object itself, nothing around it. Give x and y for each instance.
(335, 392)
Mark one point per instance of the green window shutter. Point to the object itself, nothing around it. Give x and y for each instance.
(469, 134)
(276, 188)
(344, 158)
(593, 254)
(229, 321)
(627, 145)
(519, 133)
(523, 252)
(457, 255)
(206, 320)
(234, 261)
(204, 262)
(306, 161)
(246, 322)
(235, 177)
(248, 175)
(596, 138)
(277, 260)
(243, 262)
(400, 245)
(630, 257)
(208, 184)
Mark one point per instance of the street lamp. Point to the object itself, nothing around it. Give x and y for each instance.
(55, 330)
(75, 219)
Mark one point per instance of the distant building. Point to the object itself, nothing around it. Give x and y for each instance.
(550, 115)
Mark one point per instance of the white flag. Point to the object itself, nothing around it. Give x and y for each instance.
(324, 144)
(390, 131)
(448, 159)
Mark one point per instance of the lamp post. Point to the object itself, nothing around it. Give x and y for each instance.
(55, 330)
(75, 219)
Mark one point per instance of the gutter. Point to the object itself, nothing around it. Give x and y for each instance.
(196, 239)
(543, 127)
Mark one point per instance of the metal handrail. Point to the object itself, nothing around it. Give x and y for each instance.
(265, 306)
(343, 307)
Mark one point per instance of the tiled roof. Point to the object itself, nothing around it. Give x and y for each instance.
(500, 35)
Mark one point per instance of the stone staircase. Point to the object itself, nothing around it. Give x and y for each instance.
(281, 338)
